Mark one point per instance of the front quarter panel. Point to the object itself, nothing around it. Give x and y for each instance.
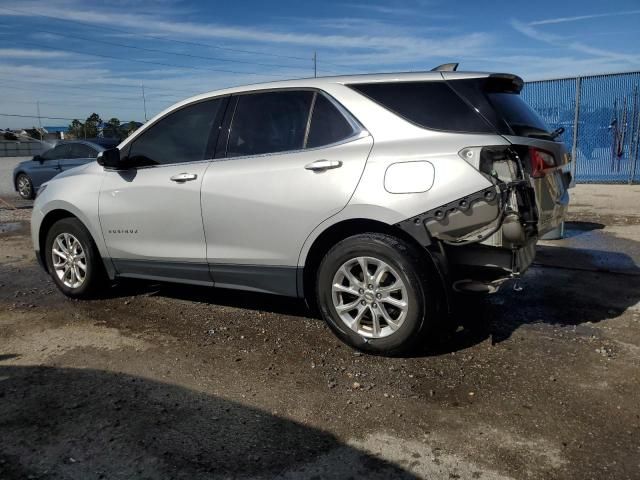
(76, 192)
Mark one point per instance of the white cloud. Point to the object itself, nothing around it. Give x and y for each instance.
(553, 39)
(550, 21)
(30, 53)
(146, 22)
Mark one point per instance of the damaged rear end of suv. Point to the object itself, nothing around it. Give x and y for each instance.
(496, 177)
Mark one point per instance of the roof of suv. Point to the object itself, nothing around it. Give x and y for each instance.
(350, 79)
(320, 81)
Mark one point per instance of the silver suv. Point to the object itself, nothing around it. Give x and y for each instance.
(373, 197)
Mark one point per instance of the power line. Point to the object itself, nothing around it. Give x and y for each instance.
(183, 42)
(87, 85)
(56, 88)
(149, 62)
(34, 116)
(96, 95)
(155, 37)
(179, 54)
(74, 106)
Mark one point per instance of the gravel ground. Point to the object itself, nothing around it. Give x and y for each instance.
(161, 381)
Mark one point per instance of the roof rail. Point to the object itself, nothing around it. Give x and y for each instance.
(446, 67)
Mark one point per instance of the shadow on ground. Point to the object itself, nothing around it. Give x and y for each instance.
(82, 423)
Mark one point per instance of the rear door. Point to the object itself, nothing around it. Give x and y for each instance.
(79, 154)
(293, 159)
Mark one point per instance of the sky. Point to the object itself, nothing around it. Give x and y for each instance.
(71, 57)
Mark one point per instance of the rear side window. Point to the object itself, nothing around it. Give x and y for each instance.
(431, 105)
(269, 122)
(328, 125)
(522, 119)
(182, 136)
(80, 150)
(497, 99)
(59, 152)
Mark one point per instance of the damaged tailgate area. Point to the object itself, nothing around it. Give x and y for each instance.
(488, 236)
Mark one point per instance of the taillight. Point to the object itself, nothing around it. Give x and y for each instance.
(540, 160)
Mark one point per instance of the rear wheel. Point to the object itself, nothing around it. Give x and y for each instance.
(73, 260)
(24, 185)
(374, 293)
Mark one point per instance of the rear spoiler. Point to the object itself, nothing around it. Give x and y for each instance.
(503, 83)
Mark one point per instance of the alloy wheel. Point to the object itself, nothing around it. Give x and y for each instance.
(24, 186)
(69, 260)
(370, 297)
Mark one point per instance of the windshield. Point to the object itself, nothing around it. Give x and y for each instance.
(522, 119)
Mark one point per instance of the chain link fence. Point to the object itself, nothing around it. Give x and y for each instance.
(601, 118)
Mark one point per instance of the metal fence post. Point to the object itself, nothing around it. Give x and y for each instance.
(635, 141)
(574, 143)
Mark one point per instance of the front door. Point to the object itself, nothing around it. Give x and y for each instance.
(150, 214)
(48, 166)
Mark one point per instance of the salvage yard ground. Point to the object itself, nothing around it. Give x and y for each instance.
(162, 381)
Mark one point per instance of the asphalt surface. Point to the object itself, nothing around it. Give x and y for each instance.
(161, 381)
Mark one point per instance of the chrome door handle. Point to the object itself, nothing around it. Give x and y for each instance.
(320, 165)
(183, 177)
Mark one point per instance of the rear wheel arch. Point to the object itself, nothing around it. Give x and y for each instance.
(340, 231)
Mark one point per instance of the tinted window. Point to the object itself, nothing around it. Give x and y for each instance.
(80, 150)
(522, 119)
(58, 152)
(269, 122)
(428, 104)
(182, 136)
(49, 154)
(328, 125)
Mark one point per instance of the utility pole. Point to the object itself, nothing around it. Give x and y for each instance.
(39, 120)
(144, 102)
(315, 64)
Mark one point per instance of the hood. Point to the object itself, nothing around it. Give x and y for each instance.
(79, 170)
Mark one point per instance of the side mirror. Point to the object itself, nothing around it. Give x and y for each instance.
(38, 158)
(111, 159)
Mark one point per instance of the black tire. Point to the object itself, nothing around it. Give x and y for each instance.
(95, 276)
(27, 191)
(411, 266)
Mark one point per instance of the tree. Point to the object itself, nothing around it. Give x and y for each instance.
(112, 128)
(76, 129)
(92, 124)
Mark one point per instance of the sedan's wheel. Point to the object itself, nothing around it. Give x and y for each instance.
(73, 259)
(374, 293)
(24, 186)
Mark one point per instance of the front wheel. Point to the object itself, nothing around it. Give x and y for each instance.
(374, 293)
(24, 185)
(73, 259)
